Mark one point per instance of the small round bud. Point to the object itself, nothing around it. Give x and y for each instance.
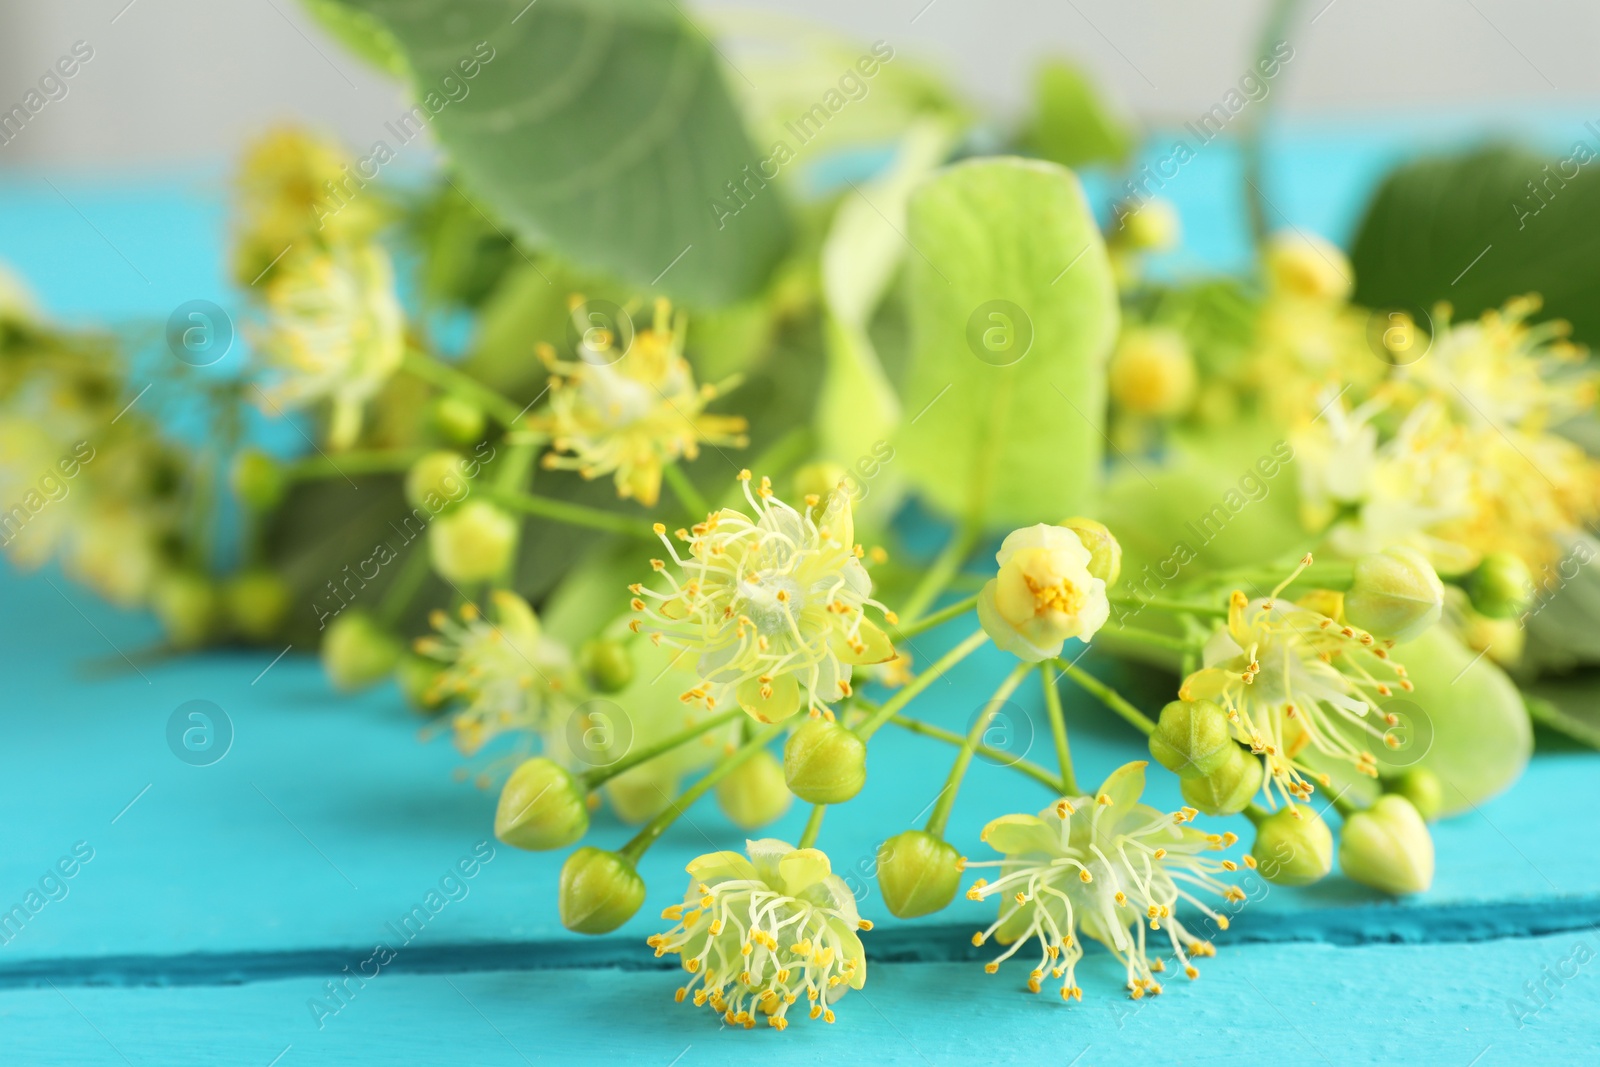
(1152, 373)
(824, 763)
(1423, 788)
(458, 421)
(473, 543)
(541, 807)
(256, 602)
(918, 873)
(599, 891)
(606, 664)
(259, 480)
(1502, 640)
(418, 678)
(1227, 790)
(1293, 846)
(1396, 594)
(754, 793)
(1193, 740)
(1388, 847)
(1105, 553)
(1151, 226)
(1306, 266)
(357, 651)
(186, 604)
(1501, 587)
(437, 479)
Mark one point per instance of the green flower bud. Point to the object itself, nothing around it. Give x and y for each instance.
(259, 480)
(437, 479)
(357, 652)
(1396, 594)
(1501, 587)
(1192, 740)
(1293, 846)
(458, 421)
(1105, 554)
(418, 678)
(541, 807)
(1227, 790)
(256, 603)
(754, 793)
(1388, 847)
(918, 873)
(606, 664)
(824, 763)
(1423, 788)
(186, 604)
(599, 891)
(473, 543)
(1152, 225)
(818, 479)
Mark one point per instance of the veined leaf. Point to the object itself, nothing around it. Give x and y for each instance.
(602, 130)
(1013, 311)
(1568, 704)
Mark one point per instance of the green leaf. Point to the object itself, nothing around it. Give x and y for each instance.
(602, 130)
(1013, 312)
(1569, 704)
(1481, 737)
(1071, 125)
(1466, 228)
(363, 35)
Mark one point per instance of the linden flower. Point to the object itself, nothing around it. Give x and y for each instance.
(1291, 678)
(772, 606)
(505, 672)
(1099, 866)
(335, 332)
(630, 412)
(756, 933)
(1043, 594)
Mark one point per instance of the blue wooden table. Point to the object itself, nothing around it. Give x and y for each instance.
(215, 914)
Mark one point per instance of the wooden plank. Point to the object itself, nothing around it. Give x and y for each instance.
(1444, 1004)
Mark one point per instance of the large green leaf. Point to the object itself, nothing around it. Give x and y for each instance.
(1467, 228)
(601, 129)
(1569, 704)
(1013, 311)
(1480, 734)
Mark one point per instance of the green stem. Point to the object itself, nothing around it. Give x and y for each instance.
(808, 836)
(454, 380)
(950, 737)
(407, 581)
(938, 618)
(958, 770)
(565, 511)
(652, 830)
(1272, 31)
(1175, 606)
(600, 775)
(358, 462)
(893, 705)
(945, 567)
(1058, 729)
(1256, 814)
(687, 494)
(1150, 637)
(1108, 696)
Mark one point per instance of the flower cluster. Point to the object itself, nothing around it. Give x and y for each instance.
(631, 410)
(772, 607)
(1105, 867)
(1293, 679)
(755, 934)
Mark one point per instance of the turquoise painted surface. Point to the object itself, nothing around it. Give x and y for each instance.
(327, 821)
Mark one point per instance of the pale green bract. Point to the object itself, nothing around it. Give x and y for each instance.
(1016, 434)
